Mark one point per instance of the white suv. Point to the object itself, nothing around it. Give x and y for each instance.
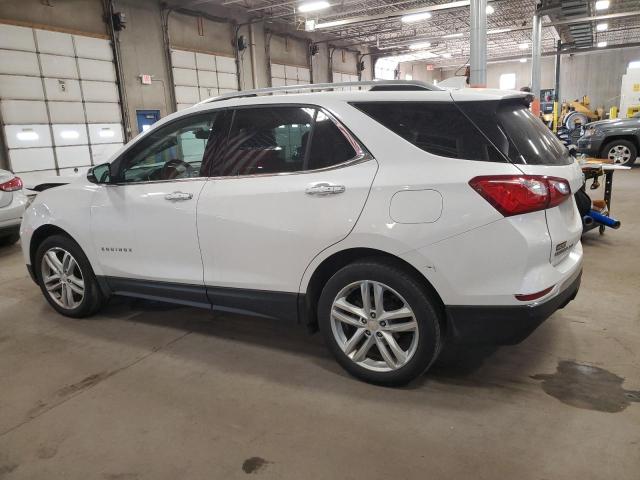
(393, 220)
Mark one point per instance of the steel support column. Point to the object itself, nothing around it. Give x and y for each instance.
(536, 54)
(478, 57)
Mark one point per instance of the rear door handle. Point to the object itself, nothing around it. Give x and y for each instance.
(324, 188)
(176, 196)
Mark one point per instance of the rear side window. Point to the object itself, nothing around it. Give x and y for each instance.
(438, 128)
(269, 140)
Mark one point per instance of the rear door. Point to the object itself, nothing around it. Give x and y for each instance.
(534, 150)
(291, 183)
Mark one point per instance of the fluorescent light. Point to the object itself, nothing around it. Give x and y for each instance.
(26, 135)
(635, 64)
(454, 35)
(69, 134)
(601, 27)
(309, 25)
(602, 4)
(523, 46)
(490, 10)
(420, 46)
(498, 30)
(523, 60)
(313, 6)
(445, 55)
(602, 44)
(416, 17)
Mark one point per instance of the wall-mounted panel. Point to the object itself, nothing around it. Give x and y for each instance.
(23, 111)
(14, 62)
(27, 136)
(17, 38)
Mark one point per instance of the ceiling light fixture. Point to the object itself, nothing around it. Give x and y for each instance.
(602, 44)
(601, 27)
(313, 6)
(445, 55)
(490, 10)
(523, 46)
(454, 35)
(420, 46)
(523, 60)
(416, 17)
(602, 4)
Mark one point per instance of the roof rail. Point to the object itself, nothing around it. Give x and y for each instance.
(379, 85)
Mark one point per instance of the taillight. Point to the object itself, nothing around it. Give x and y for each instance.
(534, 296)
(12, 185)
(517, 194)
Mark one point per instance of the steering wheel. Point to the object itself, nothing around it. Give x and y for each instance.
(176, 168)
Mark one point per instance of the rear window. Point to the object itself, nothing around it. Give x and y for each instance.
(494, 131)
(438, 128)
(516, 132)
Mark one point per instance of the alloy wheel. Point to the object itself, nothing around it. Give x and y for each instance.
(62, 278)
(374, 326)
(619, 154)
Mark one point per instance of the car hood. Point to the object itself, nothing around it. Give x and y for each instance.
(616, 123)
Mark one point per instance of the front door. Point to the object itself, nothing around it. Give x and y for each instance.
(290, 184)
(144, 222)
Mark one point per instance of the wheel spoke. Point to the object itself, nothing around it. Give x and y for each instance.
(343, 304)
(53, 287)
(361, 353)
(75, 288)
(384, 351)
(400, 354)
(68, 295)
(338, 315)
(403, 312)
(71, 265)
(401, 327)
(366, 297)
(353, 341)
(53, 262)
(76, 281)
(378, 305)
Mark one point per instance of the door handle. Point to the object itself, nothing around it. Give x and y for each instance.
(324, 188)
(178, 196)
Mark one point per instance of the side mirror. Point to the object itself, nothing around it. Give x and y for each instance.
(100, 173)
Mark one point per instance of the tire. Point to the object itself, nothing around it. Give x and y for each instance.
(419, 347)
(623, 152)
(9, 239)
(79, 305)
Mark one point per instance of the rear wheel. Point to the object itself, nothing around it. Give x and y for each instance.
(66, 278)
(379, 322)
(620, 152)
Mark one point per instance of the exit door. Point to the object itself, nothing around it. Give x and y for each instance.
(146, 118)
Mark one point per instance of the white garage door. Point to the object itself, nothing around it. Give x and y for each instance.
(282, 75)
(59, 101)
(198, 76)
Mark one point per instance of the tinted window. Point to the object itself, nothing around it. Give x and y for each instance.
(170, 152)
(516, 132)
(268, 140)
(329, 146)
(438, 128)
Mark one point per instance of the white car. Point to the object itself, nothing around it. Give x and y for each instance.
(12, 205)
(393, 220)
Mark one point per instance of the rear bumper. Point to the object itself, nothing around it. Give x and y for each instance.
(504, 325)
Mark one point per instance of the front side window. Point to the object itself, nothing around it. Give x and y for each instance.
(270, 140)
(172, 152)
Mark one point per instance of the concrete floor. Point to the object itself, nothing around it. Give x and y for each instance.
(145, 391)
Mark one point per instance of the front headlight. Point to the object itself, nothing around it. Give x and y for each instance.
(593, 132)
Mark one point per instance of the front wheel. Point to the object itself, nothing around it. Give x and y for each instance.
(66, 278)
(620, 152)
(379, 322)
